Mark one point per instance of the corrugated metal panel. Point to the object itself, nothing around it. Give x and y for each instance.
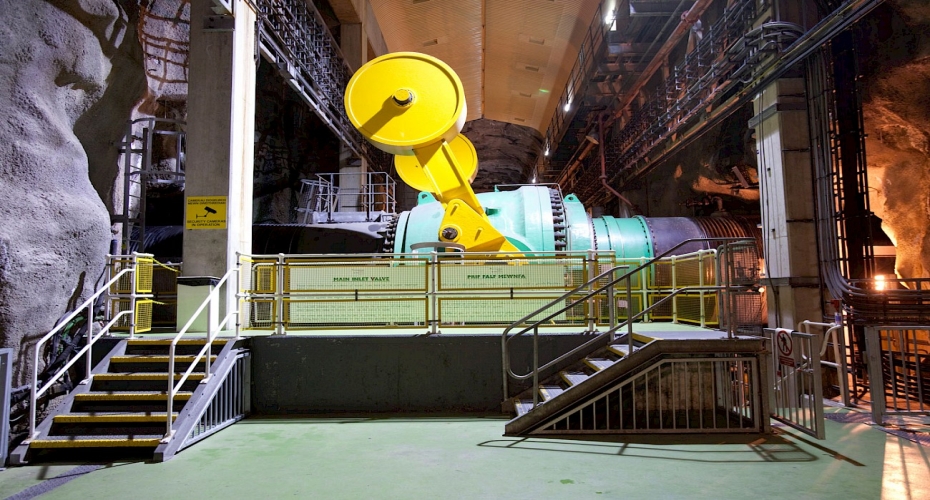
(526, 48)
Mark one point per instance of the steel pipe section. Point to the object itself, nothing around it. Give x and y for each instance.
(535, 219)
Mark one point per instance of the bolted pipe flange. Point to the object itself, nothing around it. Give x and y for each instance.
(449, 233)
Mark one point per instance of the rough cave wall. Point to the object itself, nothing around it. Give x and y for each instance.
(896, 111)
(68, 71)
(506, 152)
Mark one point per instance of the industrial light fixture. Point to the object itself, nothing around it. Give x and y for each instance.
(880, 283)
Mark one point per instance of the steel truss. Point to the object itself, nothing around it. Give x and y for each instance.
(731, 54)
(293, 36)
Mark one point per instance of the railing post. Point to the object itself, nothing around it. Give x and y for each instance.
(133, 277)
(535, 366)
(701, 292)
(433, 318)
(674, 287)
(731, 317)
(591, 266)
(612, 306)
(279, 296)
(90, 344)
(629, 313)
(644, 286)
(210, 333)
(32, 394)
(170, 394)
(238, 300)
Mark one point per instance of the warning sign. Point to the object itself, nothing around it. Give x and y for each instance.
(785, 347)
(206, 212)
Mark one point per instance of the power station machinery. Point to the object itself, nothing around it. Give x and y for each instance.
(413, 106)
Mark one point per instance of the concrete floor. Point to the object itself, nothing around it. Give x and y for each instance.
(412, 458)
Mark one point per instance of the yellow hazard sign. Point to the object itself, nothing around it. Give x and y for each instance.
(206, 212)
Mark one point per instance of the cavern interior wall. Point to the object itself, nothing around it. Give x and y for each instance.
(70, 72)
(73, 72)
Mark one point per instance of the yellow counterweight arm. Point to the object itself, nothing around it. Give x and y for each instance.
(413, 105)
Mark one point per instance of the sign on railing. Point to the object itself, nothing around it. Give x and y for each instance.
(282, 292)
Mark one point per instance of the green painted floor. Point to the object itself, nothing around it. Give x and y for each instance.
(413, 458)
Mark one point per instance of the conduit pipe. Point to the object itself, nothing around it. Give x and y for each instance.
(601, 141)
(687, 20)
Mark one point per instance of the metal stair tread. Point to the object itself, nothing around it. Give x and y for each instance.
(131, 396)
(523, 406)
(145, 440)
(112, 417)
(155, 358)
(573, 377)
(145, 376)
(599, 363)
(550, 391)
(166, 342)
(620, 349)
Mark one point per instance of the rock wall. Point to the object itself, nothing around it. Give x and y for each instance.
(69, 70)
(506, 152)
(896, 111)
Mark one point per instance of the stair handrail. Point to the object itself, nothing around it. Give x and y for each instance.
(505, 340)
(207, 350)
(834, 334)
(87, 350)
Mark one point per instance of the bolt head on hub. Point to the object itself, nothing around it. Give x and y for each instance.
(449, 233)
(403, 97)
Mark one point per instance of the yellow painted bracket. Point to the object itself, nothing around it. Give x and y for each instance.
(413, 105)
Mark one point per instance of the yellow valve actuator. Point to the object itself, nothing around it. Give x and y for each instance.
(406, 100)
(413, 106)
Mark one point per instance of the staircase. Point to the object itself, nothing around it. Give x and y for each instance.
(576, 380)
(699, 385)
(123, 406)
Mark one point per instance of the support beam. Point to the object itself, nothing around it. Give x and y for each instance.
(221, 130)
(789, 233)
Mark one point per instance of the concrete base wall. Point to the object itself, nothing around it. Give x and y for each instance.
(451, 374)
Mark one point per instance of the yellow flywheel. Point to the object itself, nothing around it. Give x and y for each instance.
(406, 100)
(412, 172)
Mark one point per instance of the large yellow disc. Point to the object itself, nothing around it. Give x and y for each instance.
(411, 171)
(406, 100)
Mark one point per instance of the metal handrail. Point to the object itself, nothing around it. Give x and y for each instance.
(505, 340)
(205, 352)
(839, 353)
(88, 348)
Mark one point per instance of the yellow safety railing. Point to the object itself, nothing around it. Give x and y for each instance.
(288, 292)
(307, 292)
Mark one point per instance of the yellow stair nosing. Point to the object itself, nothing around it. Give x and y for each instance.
(642, 338)
(145, 376)
(155, 358)
(130, 396)
(618, 350)
(180, 342)
(112, 418)
(93, 443)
